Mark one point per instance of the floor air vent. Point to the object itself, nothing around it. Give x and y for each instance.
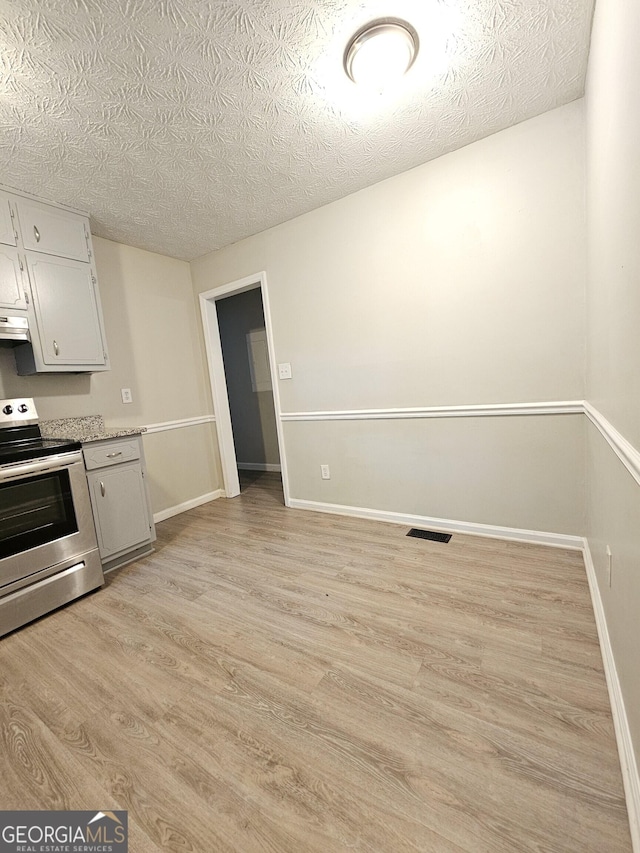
(433, 535)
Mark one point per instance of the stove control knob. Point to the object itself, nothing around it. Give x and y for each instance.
(22, 408)
(8, 410)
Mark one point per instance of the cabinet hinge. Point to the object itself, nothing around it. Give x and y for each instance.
(15, 234)
(26, 297)
(20, 264)
(11, 212)
(104, 355)
(94, 279)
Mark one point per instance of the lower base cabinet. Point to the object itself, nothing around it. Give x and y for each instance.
(119, 499)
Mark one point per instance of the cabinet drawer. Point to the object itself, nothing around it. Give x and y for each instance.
(52, 231)
(113, 453)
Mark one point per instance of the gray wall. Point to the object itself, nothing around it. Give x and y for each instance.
(613, 333)
(459, 282)
(252, 412)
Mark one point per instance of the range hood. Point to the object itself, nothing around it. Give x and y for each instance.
(13, 330)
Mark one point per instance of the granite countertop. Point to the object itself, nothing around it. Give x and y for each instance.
(85, 429)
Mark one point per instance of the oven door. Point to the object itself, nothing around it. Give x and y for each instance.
(45, 515)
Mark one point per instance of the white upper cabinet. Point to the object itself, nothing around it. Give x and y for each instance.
(7, 231)
(67, 315)
(53, 231)
(12, 284)
(48, 276)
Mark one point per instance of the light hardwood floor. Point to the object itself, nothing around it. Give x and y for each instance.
(276, 680)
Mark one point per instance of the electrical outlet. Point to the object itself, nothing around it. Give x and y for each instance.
(126, 395)
(324, 472)
(609, 564)
(284, 370)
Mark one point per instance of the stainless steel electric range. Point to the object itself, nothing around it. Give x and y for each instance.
(48, 549)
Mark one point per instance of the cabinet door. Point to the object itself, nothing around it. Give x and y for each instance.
(11, 283)
(66, 307)
(53, 231)
(119, 503)
(7, 231)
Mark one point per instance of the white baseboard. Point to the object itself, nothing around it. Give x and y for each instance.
(628, 765)
(259, 466)
(557, 540)
(183, 507)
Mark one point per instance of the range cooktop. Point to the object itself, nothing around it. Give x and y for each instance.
(20, 436)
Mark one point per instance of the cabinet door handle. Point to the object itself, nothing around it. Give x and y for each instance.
(36, 233)
(111, 455)
(56, 348)
(103, 491)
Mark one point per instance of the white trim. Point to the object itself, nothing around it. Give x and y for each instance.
(565, 407)
(217, 378)
(624, 450)
(266, 305)
(558, 540)
(259, 466)
(628, 765)
(219, 384)
(185, 422)
(249, 282)
(183, 507)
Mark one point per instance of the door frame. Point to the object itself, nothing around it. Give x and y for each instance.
(218, 381)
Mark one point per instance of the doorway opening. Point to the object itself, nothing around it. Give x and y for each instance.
(245, 355)
(239, 343)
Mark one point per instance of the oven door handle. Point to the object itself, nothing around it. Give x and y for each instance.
(40, 466)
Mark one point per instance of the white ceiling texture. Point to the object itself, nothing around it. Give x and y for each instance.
(184, 125)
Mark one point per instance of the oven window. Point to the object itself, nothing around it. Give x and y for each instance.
(34, 511)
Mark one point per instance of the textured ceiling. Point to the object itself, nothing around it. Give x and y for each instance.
(182, 125)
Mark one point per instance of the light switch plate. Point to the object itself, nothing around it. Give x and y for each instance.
(126, 395)
(284, 370)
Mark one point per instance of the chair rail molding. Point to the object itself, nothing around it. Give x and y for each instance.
(624, 450)
(562, 407)
(180, 424)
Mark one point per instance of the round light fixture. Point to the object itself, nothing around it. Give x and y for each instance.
(381, 52)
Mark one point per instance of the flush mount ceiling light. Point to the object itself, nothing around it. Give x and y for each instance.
(381, 52)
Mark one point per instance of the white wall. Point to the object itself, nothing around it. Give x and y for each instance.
(459, 282)
(154, 347)
(613, 301)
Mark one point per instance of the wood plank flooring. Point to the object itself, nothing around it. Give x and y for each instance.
(276, 680)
